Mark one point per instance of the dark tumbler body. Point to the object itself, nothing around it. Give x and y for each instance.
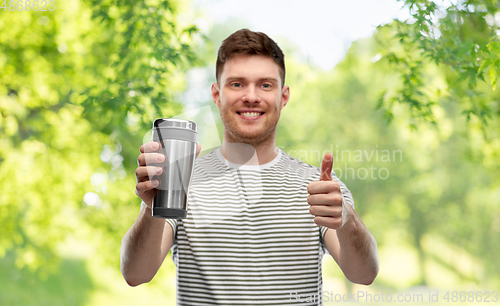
(178, 140)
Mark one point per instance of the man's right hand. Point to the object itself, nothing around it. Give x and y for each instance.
(150, 161)
(147, 242)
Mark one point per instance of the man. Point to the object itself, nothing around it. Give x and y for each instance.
(259, 221)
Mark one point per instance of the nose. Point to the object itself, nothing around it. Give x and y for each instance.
(251, 95)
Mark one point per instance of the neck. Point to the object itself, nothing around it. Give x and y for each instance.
(249, 154)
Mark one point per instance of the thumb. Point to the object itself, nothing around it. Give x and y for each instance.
(326, 168)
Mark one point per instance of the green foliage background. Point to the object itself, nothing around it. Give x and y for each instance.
(80, 86)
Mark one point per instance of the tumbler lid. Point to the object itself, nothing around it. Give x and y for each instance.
(175, 123)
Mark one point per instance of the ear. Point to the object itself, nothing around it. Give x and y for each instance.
(216, 94)
(285, 95)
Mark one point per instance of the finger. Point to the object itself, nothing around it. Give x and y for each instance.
(150, 159)
(145, 186)
(147, 173)
(152, 146)
(320, 187)
(198, 149)
(326, 211)
(326, 168)
(330, 199)
(330, 222)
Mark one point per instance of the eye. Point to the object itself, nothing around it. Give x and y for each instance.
(237, 85)
(266, 85)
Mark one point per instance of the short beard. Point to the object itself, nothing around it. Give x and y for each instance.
(254, 141)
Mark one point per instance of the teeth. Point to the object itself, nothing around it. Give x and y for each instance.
(252, 114)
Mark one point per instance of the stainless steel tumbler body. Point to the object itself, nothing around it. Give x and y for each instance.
(178, 141)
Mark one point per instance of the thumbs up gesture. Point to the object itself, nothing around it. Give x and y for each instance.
(325, 197)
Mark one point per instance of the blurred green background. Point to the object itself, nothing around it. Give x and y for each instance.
(410, 114)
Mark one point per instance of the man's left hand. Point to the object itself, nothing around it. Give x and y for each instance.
(325, 197)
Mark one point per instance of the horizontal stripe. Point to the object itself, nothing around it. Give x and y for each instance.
(234, 277)
(295, 284)
(262, 292)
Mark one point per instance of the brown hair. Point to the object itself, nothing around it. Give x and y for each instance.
(246, 42)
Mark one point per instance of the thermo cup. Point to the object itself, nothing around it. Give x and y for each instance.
(178, 143)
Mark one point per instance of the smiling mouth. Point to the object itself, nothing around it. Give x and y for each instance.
(250, 114)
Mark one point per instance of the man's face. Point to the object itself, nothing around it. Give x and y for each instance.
(250, 97)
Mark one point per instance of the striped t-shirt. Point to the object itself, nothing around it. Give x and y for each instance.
(249, 238)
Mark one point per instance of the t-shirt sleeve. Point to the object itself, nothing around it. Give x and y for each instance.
(173, 224)
(322, 232)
